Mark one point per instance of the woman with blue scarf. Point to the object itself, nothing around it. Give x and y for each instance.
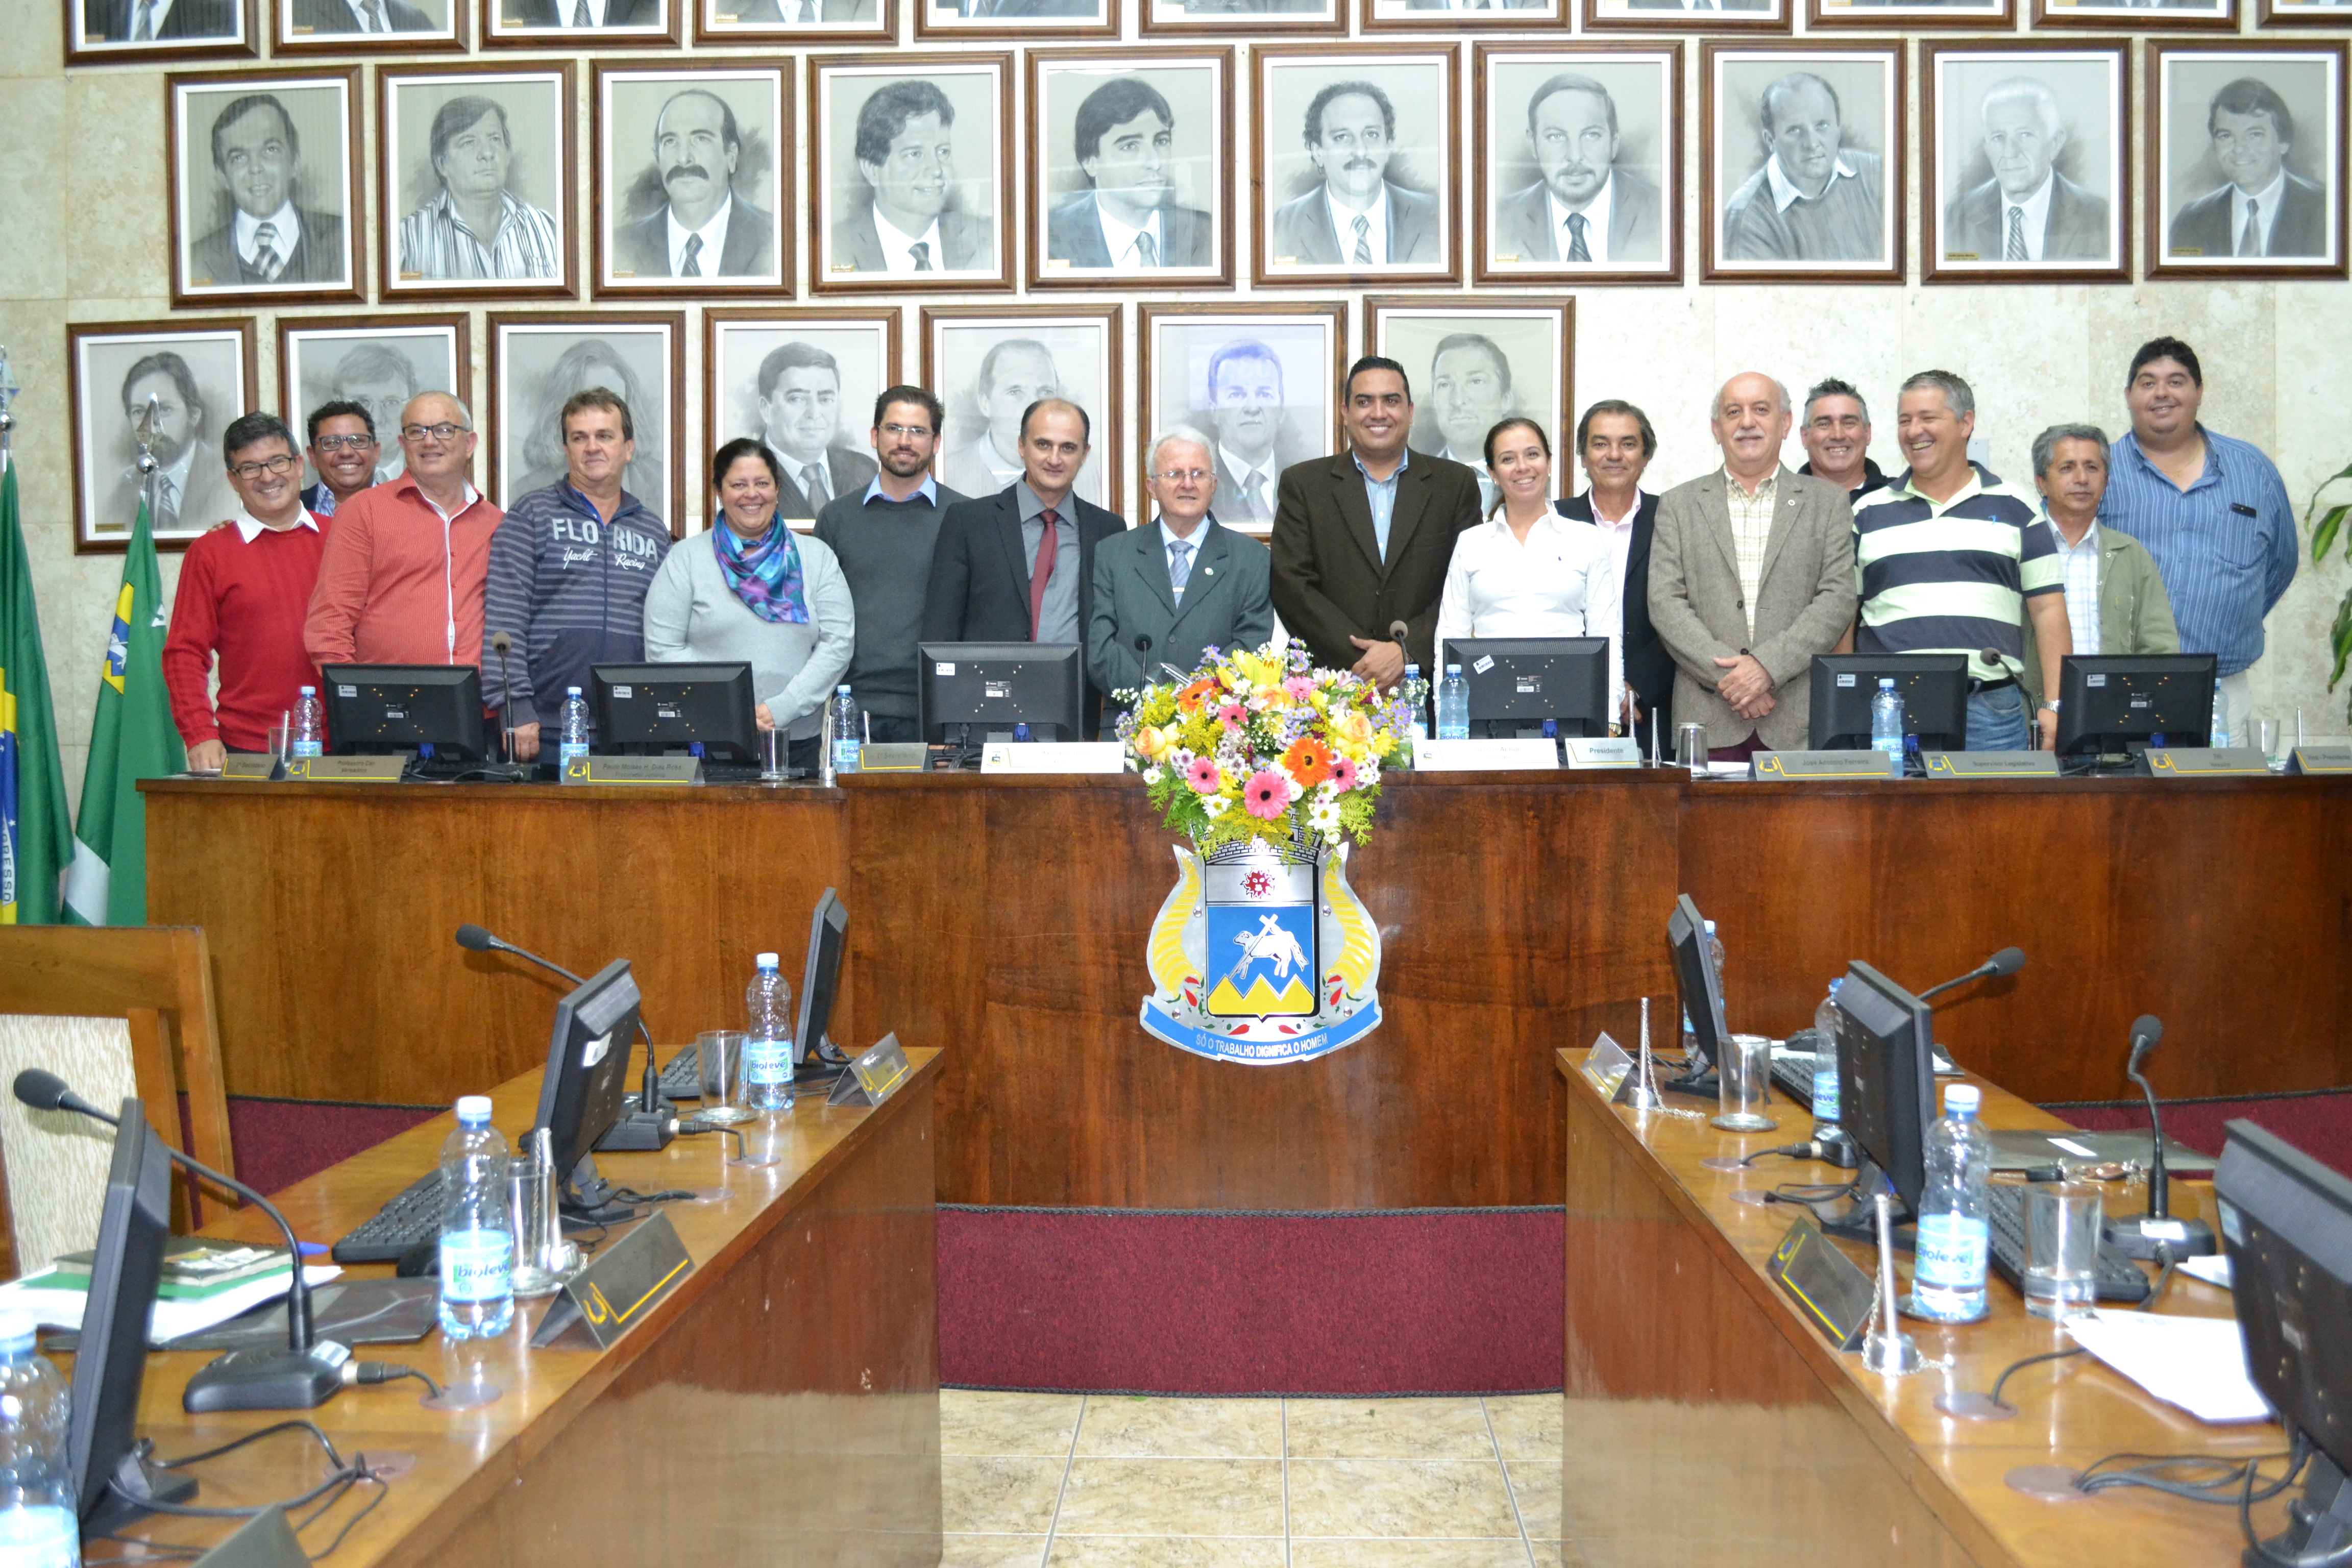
(751, 591)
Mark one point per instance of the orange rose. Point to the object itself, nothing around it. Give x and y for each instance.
(1149, 743)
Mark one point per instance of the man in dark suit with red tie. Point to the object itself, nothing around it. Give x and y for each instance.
(1615, 442)
(1018, 566)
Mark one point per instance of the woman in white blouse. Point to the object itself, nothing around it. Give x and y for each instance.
(1526, 572)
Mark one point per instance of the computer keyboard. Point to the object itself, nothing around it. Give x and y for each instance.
(1792, 1075)
(682, 1078)
(414, 1216)
(2119, 1279)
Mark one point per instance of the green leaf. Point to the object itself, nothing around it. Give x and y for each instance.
(2323, 533)
(2340, 637)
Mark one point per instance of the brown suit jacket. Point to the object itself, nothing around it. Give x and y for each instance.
(1804, 601)
(1329, 580)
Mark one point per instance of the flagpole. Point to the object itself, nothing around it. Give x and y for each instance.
(8, 390)
(149, 468)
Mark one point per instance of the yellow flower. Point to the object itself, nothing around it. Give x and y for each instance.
(1150, 742)
(1353, 728)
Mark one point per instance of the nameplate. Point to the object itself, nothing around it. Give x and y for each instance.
(1053, 757)
(2318, 760)
(621, 1283)
(872, 1076)
(1827, 766)
(1830, 1292)
(2202, 762)
(1991, 765)
(893, 757)
(633, 771)
(1606, 1064)
(259, 766)
(1621, 752)
(1491, 756)
(264, 1540)
(345, 770)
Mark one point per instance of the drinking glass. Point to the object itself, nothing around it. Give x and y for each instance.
(771, 755)
(1690, 748)
(530, 1198)
(719, 1062)
(2061, 1249)
(2266, 734)
(1741, 1080)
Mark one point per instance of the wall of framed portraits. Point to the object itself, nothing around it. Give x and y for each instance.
(749, 215)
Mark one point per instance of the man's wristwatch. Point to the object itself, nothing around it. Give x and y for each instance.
(2051, 703)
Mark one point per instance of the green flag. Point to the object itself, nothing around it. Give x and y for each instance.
(34, 827)
(131, 738)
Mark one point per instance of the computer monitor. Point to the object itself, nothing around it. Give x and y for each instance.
(975, 691)
(1887, 1083)
(2108, 702)
(587, 1075)
(684, 710)
(433, 709)
(1934, 686)
(1702, 997)
(2286, 1225)
(1534, 685)
(820, 984)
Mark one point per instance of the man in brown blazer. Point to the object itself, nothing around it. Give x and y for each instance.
(1751, 575)
(1362, 541)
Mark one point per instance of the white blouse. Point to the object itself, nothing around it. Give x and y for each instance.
(1562, 583)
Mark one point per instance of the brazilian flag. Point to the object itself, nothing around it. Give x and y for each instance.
(34, 827)
(131, 738)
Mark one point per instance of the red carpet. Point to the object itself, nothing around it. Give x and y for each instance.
(2319, 1124)
(279, 1141)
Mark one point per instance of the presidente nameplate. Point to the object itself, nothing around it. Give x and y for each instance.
(1830, 1292)
(2320, 760)
(1826, 765)
(1486, 756)
(872, 1076)
(345, 770)
(633, 771)
(1053, 757)
(625, 1278)
(260, 767)
(1618, 753)
(2201, 762)
(893, 757)
(1606, 1064)
(1991, 765)
(264, 1540)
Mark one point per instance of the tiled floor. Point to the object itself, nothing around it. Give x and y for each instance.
(1066, 1480)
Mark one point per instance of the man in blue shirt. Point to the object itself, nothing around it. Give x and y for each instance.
(2211, 509)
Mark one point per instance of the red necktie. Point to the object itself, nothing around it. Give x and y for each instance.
(1048, 546)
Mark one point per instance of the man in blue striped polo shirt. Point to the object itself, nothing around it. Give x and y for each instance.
(2211, 509)
(1948, 559)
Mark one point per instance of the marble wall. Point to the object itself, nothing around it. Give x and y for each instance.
(83, 238)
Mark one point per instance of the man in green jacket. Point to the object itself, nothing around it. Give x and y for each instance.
(2114, 599)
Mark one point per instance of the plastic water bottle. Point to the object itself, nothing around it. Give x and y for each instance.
(768, 1053)
(2221, 716)
(1825, 1062)
(1453, 706)
(310, 736)
(846, 731)
(476, 1229)
(1948, 1285)
(1887, 718)
(575, 726)
(37, 1524)
(1416, 692)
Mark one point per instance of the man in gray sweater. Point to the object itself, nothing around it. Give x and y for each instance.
(884, 538)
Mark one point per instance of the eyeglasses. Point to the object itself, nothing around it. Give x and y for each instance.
(906, 430)
(1178, 476)
(332, 444)
(280, 464)
(442, 432)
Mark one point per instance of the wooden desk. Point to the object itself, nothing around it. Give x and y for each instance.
(780, 1407)
(1707, 1423)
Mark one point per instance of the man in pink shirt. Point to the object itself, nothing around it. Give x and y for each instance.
(400, 579)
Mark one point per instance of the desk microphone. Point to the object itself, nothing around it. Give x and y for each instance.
(1142, 643)
(2140, 1236)
(2008, 961)
(638, 1130)
(303, 1375)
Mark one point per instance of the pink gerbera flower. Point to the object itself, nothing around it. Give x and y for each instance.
(1343, 774)
(1233, 715)
(1203, 777)
(1300, 686)
(1266, 794)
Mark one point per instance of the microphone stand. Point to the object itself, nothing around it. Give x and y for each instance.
(514, 771)
(2142, 1236)
(648, 1120)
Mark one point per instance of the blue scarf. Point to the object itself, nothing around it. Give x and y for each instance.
(764, 572)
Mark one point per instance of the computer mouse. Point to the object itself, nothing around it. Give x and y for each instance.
(419, 1260)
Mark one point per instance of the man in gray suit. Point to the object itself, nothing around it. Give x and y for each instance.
(1127, 220)
(268, 239)
(1751, 575)
(2266, 209)
(705, 229)
(1356, 217)
(905, 151)
(1585, 209)
(2028, 211)
(1165, 591)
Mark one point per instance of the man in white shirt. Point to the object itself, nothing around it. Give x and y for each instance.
(268, 240)
(1356, 217)
(1128, 218)
(2028, 211)
(1585, 210)
(1014, 374)
(799, 387)
(905, 151)
(705, 229)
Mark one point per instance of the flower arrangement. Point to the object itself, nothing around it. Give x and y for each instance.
(1262, 745)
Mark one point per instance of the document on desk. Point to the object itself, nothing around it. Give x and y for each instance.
(61, 1307)
(2198, 1363)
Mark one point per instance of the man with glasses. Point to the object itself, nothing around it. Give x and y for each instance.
(343, 450)
(242, 591)
(883, 538)
(401, 580)
(1164, 594)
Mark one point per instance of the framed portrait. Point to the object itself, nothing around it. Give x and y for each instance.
(913, 172)
(2303, 13)
(474, 200)
(159, 32)
(2025, 162)
(1912, 16)
(1474, 364)
(1800, 164)
(795, 22)
(183, 382)
(1434, 16)
(804, 382)
(1132, 176)
(2152, 15)
(1007, 21)
(1226, 17)
(368, 26)
(588, 26)
(694, 176)
(988, 365)
(1579, 164)
(537, 361)
(1260, 381)
(265, 186)
(2248, 176)
(377, 362)
(1712, 16)
(1356, 145)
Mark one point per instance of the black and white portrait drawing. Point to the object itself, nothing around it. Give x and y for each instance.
(265, 188)
(693, 170)
(805, 384)
(2249, 172)
(477, 182)
(185, 381)
(537, 363)
(988, 367)
(1260, 383)
(1804, 161)
(2027, 161)
(1356, 147)
(914, 173)
(1132, 173)
(1579, 173)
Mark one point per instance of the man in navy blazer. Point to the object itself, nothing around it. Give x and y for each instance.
(986, 584)
(697, 147)
(2266, 209)
(1350, 134)
(1128, 218)
(1615, 442)
(1165, 591)
(1584, 202)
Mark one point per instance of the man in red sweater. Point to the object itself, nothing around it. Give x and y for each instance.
(400, 579)
(243, 590)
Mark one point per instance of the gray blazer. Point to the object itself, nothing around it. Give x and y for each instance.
(1804, 601)
(1227, 602)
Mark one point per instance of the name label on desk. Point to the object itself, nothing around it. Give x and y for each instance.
(1831, 1294)
(1827, 766)
(872, 1076)
(2202, 762)
(632, 769)
(264, 1540)
(1053, 757)
(259, 766)
(1606, 1064)
(2304, 760)
(893, 757)
(1991, 765)
(345, 770)
(625, 1278)
(1486, 756)
(1619, 752)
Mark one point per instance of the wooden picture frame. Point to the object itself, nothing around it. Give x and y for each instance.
(867, 348)
(266, 124)
(1469, 360)
(1027, 351)
(2305, 236)
(1724, 19)
(300, 28)
(1744, 222)
(635, 253)
(537, 243)
(1993, 17)
(107, 363)
(845, 248)
(192, 31)
(1005, 22)
(2078, 184)
(379, 360)
(533, 25)
(1377, 16)
(543, 357)
(1226, 19)
(2121, 16)
(1249, 403)
(765, 23)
